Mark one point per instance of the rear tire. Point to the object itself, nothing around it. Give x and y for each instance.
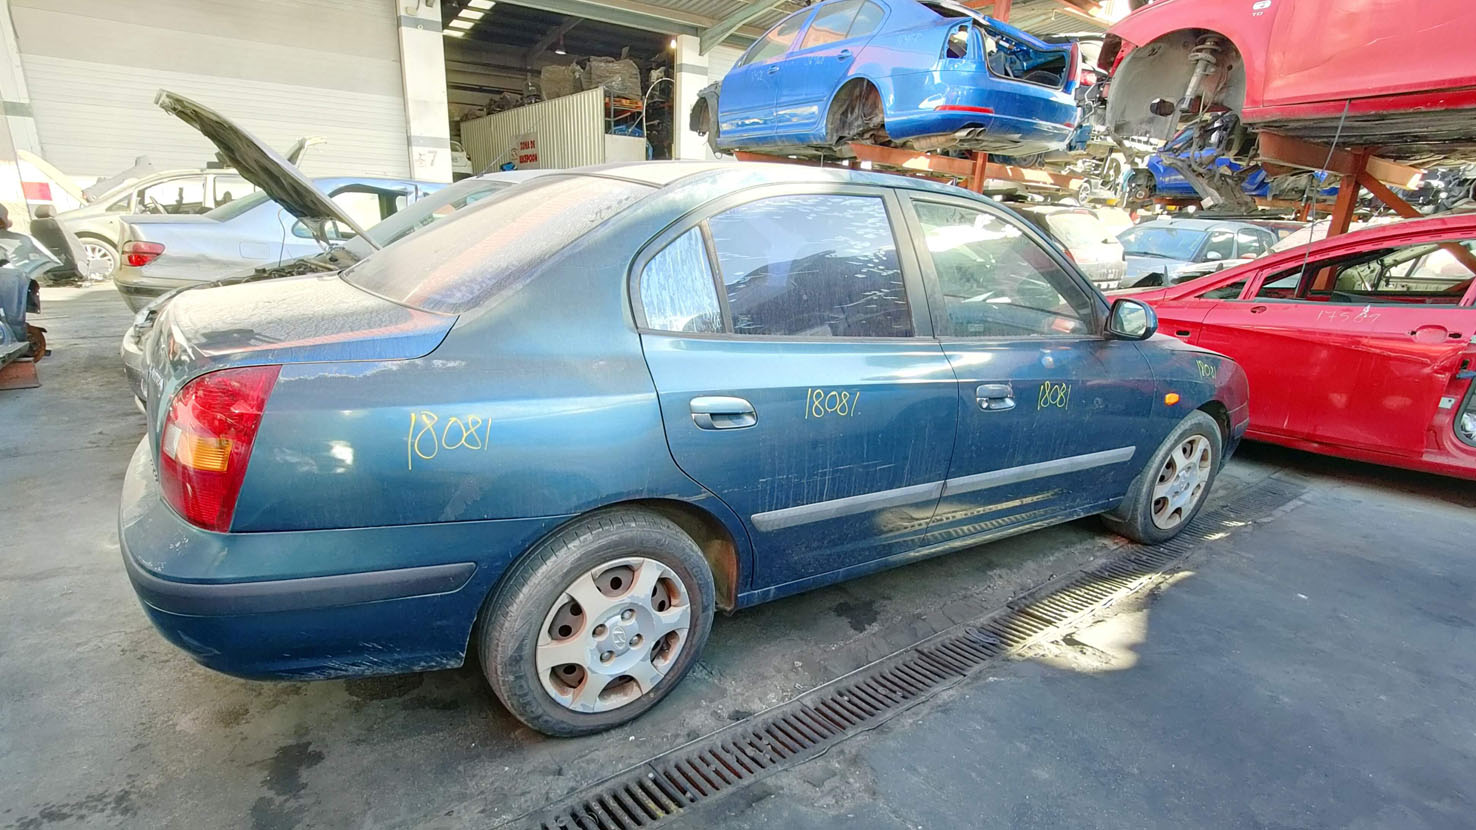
(1174, 484)
(597, 623)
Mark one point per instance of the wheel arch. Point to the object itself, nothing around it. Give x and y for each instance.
(1221, 413)
(849, 89)
(1161, 69)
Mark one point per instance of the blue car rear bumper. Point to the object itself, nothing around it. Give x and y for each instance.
(270, 605)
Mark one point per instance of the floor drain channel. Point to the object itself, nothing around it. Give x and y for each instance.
(802, 728)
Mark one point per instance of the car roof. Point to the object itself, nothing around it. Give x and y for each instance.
(1196, 224)
(664, 174)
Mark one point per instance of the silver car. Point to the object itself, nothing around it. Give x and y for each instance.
(313, 208)
(1159, 249)
(98, 225)
(162, 253)
(1086, 238)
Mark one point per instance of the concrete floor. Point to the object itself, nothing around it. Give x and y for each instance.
(1316, 670)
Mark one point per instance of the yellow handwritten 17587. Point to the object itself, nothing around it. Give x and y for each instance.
(429, 437)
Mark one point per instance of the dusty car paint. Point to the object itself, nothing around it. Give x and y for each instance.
(406, 457)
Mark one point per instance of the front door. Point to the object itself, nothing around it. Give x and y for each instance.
(749, 90)
(1051, 414)
(1359, 348)
(802, 390)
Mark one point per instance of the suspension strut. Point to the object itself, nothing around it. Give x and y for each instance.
(1205, 56)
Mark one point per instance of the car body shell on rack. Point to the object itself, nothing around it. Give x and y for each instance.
(1367, 353)
(928, 75)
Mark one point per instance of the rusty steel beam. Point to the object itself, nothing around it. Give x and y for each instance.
(1294, 152)
(1408, 211)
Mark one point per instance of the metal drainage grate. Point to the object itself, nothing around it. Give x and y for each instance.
(796, 731)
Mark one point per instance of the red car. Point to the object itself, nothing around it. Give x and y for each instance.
(1363, 347)
(1404, 69)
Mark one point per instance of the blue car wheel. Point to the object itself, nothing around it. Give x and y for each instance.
(597, 623)
(1167, 495)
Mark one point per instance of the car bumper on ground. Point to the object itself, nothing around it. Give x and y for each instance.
(131, 351)
(139, 290)
(262, 605)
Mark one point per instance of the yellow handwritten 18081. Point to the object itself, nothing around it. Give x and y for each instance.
(1054, 394)
(429, 437)
(820, 403)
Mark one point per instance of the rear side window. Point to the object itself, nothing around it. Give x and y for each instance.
(492, 246)
(1221, 245)
(1251, 243)
(868, 18)
(830, 24)
(677, 290)
(812, 266)
(777, 41)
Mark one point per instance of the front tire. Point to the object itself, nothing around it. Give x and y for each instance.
(598, 623)
(1174, 484)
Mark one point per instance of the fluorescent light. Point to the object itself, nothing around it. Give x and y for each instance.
(462, 24)
(470, 14)
(479, 4)
(560, 52)
(453, 33)
(673, 43)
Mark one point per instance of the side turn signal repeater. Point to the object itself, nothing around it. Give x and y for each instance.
(1171, 398)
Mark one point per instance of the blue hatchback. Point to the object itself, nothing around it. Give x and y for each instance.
(925, 75)
(566, 425)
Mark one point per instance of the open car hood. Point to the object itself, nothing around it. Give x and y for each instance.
(260, 165)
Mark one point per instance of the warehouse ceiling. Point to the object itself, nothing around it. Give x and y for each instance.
(536, 32)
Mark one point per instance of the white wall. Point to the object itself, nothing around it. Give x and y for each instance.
(281, 69)
(695, 71)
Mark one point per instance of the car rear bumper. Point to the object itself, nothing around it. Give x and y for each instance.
(269, 605)
(999, 114)
(139, 290)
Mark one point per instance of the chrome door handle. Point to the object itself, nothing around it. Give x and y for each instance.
(995, 397)
(844, 54)
(773, 69)
(722, 412)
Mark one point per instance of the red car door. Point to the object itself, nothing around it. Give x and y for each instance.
(1356, 350)
(1324, 50)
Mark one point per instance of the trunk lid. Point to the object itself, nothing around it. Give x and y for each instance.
(260, 165)
(308, 319)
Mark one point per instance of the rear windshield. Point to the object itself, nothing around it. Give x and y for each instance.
(1078, 230)
(458, 263)
(1169, 243)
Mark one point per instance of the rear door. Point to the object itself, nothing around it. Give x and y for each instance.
(749, 90)
(816, 67)
(1357, 350)
(797, 380)
(1052, 415)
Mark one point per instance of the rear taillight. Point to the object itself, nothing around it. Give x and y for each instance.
(139, 254)
(207, 441)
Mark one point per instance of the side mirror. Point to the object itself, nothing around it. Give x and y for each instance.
(1213, 256)
(301, 231)
(1131, 320)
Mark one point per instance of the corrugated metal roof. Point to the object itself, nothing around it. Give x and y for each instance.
(1049, 17)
